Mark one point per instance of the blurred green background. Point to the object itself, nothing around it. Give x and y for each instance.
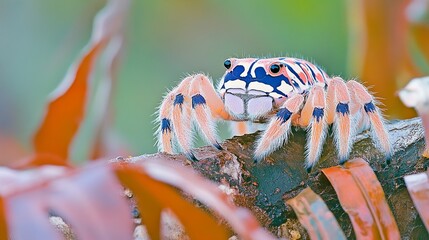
(165, 40)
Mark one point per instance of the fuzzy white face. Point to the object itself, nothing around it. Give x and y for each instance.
(416, 94)
(251, 88)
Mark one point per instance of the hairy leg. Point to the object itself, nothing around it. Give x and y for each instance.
(313, 116)
(338, 113)
(362, 98)
(278, 128)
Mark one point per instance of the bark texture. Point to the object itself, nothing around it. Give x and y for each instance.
(264, 187)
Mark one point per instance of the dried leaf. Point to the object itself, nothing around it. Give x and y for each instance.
(66, 107)
(362, 198)
(315, 216)
(197, 223)
(240, 219)
(418, 187)
(90, 201)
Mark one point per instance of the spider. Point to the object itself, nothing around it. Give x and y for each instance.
(283, 92)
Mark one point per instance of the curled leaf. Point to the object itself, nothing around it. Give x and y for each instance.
(418, 187)
(362, 198)
(315, 216)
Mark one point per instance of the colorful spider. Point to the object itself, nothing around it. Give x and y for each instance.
(282, 91)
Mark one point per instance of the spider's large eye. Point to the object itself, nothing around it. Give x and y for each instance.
(227, 63)
(275, 68)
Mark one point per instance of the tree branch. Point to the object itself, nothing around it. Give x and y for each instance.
(264, 187)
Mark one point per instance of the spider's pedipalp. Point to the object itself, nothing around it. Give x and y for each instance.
(313, 115)
(366, 104)
(338, 113)
(278, 128)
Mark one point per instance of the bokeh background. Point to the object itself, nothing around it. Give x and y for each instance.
(165, 40)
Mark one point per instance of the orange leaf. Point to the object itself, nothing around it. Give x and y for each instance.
(197, 223)
(240, 219)
(66, 108)
(362, 198)
(418, 187)
(89, 200)
(315, 216)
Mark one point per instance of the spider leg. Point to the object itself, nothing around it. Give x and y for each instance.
(278, 128)
(164, 132)
(338, 113)
(193, 99)
(173, 100)
(369, 110)
(206, 103)
(181, 117)
(313, 116)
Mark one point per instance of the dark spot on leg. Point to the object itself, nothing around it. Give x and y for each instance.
(283, 114)
(218, 146)
(343, 108)
(369, 107)
(318, 114)
(191, 156)
(165, 125)
(388, 160)
(309, 169)
(198, 99)
(179, 99)
(342, 161)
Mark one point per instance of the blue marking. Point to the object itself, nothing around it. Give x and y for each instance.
(261, 76)
(343, 108)
(198, 100)
(318, 114)
(283, 114)
(312, 72)
(237, 71)
(369, 107)
(260, 73)
(179, 99)
(165, 125)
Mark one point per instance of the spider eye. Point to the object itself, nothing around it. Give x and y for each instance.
(275, 68)
(227, 64)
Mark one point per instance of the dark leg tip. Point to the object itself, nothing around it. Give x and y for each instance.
(388, 160)
(218, 146)
(191, 156)
(309, 169)
(342, 161)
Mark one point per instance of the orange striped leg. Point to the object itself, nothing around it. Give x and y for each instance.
(194, 99)
(206, 103)
(313, 116)
(338, 113)
(278, 128)
(366, 103)
(175, 116)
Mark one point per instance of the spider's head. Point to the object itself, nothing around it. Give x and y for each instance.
(252, 88)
